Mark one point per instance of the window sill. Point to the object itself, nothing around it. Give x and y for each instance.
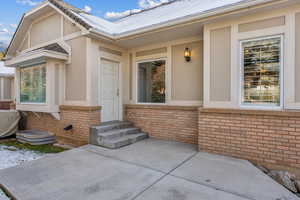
(261, 107)
(37, 104)
(34, 107)
(161, 107)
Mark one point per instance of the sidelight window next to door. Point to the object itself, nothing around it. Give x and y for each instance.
(152, 82)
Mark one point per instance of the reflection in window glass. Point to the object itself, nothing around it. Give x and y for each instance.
(33, 84)
(261, 71)
(151, 82)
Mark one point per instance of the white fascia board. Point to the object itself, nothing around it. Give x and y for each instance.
(35, 55)
(42, 5)
(198, 16)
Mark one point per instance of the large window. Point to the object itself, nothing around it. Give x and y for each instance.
(33, 84)
(151, 82)
(261, 66)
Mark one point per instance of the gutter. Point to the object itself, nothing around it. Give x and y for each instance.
(183, 20)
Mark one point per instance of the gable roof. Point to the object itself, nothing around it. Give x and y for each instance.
(167, 14)
(70, 11)
(53, 47)
(161, 14)
(175, 10)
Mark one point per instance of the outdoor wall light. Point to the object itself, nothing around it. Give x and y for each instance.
(187, 55)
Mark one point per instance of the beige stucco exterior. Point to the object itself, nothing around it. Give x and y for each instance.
(297, 58)
(262, 24)
(225, 46)
(76, 71)
(184, 80)
(25, 44)
(220, 45)
(6, 88)
(187, 77)
(211, 79)
(69, 27)
(45, 29)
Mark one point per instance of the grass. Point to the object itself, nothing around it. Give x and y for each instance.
(40, 148)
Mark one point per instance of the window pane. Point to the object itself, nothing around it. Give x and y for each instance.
(151, 82)
(261, 71)
(33, 84)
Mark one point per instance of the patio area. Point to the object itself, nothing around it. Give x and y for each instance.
(150, 169)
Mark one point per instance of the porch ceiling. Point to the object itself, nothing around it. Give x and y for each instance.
(164, 35)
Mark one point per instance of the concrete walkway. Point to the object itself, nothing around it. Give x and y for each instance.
(148, 170)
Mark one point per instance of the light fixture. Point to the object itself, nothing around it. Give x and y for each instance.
(187, 55)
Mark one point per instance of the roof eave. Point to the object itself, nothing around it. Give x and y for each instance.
(196, 17)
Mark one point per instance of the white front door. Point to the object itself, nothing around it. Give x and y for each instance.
(110, 90)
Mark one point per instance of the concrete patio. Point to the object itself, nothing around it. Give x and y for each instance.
(148, 170)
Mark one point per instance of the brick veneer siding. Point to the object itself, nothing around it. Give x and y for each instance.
(80, 117)
(5, 105)
(266, 137)
(177, 123)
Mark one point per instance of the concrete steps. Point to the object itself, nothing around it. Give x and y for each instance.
(116, 134)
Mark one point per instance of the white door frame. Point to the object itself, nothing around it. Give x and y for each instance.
(116, 59)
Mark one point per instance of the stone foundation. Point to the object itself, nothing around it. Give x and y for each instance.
(271, 138)
(176, 123)
(80, 117)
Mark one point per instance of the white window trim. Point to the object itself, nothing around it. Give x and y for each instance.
(19, 91)
(137, 81)
(264, 106)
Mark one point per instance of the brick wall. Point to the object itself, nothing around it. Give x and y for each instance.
(177, 123)
(80, 117)
(5, 105)
(266, 137)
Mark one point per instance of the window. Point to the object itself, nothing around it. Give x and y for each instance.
(261, 66)
(33, 84)
(151, 82)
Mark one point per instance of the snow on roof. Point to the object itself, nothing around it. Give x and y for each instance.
(158, 15)
(6, 71)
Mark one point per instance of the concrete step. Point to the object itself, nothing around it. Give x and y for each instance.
(122, 141)
(35, 137)
(117, 133)
(107, 126)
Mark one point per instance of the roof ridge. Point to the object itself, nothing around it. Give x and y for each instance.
(147, 9)
(70, 11)
(68, 6)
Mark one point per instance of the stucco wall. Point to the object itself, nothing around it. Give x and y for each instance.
(45, 30)
(222, 45)
(151, 52)
(69, 27)
(7, 88)
(297, 59)
(187, 77)
(24, 44)
(220, 64)
(262, 24)
(76, 78)
(6, 85)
